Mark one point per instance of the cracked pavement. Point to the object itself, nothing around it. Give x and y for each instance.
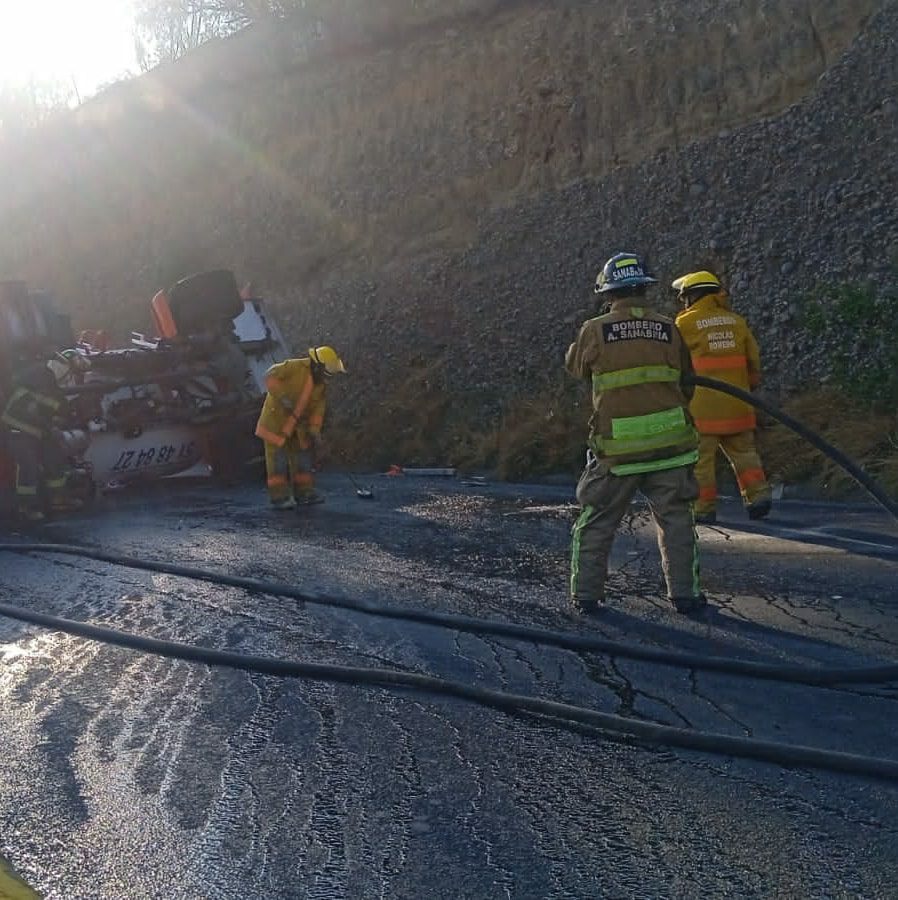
(124, 775)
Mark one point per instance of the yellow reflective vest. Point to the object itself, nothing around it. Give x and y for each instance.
(722, 347)
(294, 405)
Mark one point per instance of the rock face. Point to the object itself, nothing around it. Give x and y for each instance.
(438, 192)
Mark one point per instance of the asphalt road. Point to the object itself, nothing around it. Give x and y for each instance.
(123, 775)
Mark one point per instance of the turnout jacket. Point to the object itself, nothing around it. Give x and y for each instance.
(294, 404)
(34, 400)
(638, 365)
(722, 347)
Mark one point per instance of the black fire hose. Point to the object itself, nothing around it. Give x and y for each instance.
(836, 455)
(817, 676)
(563, 715)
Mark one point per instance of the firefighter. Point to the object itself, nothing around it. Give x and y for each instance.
(641, 437)
(722, 347)
(290, 425)
(30, 414)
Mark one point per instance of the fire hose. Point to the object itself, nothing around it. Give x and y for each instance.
(836, 455)
(562, 714)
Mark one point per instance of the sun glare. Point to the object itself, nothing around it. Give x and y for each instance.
(63, 41)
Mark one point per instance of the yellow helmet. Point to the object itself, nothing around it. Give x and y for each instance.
(695, 280)
(327, 357)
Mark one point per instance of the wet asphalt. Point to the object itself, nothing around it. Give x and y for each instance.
(124, 775)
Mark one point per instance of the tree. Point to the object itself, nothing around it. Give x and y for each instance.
(24, 105)
(168, 29)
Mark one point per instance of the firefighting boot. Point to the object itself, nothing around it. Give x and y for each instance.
(760, 509)
(690, 606)
(308, 498)
(283, 503)
(586, 608)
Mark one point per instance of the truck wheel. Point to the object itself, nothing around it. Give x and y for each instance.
(204, 299)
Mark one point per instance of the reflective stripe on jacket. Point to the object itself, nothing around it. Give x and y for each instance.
(722, 347)
(637, 363)
(294, 403)
(34, 400)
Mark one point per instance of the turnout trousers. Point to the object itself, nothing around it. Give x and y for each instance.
(288, 469)
(604, 500)
(40, 471)
(740, 451)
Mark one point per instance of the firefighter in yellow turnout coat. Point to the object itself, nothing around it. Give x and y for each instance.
(291, 421)
(722, 347)
(641, 437)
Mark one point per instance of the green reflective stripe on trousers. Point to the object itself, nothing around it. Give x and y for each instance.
(25, 490)
(608, 381)
(656, 465)
(575, 547)
(55, 484)
(696, 568)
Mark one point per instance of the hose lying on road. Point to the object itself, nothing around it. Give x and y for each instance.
(565, 640)
(836, 455)
(563, 714)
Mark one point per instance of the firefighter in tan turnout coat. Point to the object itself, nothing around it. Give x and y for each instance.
(641, 437)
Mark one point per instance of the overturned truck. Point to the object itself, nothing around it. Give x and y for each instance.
(188, 394)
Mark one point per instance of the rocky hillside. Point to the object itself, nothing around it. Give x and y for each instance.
(434, 194)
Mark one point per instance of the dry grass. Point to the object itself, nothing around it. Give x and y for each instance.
(542, 435)
(869, 438)
(421, 421)
(409, 425)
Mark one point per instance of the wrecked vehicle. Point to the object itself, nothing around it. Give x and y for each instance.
(188, 395)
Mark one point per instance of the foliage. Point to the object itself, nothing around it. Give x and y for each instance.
(543, 434)
(24, 105)
(168, 29)
(855, 322)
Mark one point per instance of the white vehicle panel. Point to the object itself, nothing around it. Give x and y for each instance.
(155, 453)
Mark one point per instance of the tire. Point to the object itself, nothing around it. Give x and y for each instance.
(231, 450)
(204, 300)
